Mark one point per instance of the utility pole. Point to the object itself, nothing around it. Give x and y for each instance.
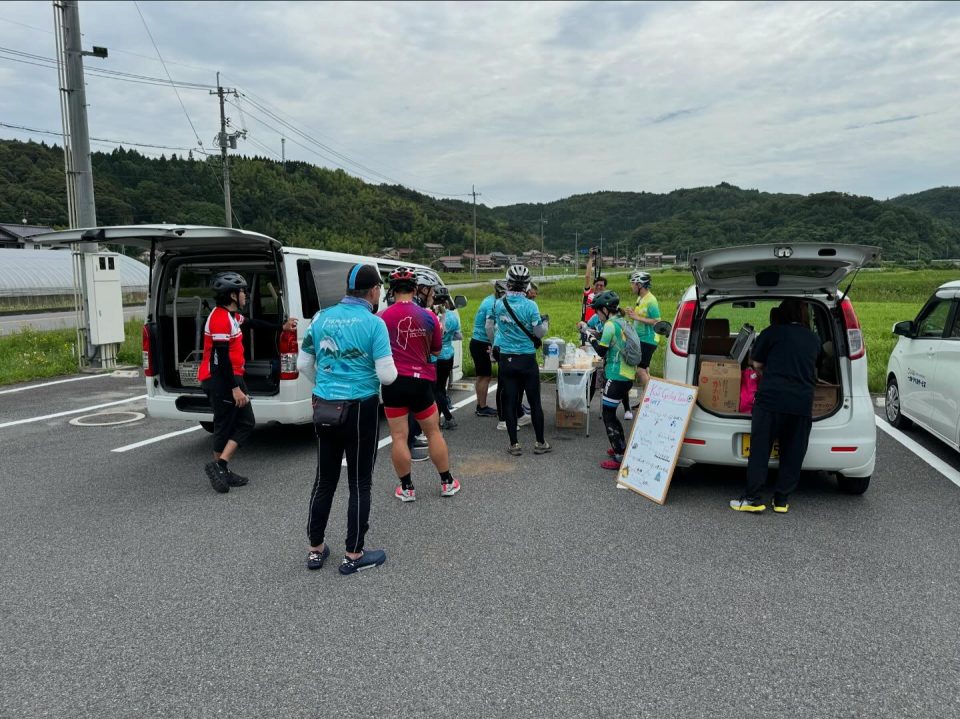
(225, 140)
(283, 153)
(543, 257)
(576, 252)
(473, 191)
(100, 329)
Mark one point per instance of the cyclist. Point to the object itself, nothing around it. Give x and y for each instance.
(645, 315)
(618, 374)
(415, 334)
(221, 375)
(591, 287)
(349, 346)
(516, 321)
(480, 348)
(443, 307)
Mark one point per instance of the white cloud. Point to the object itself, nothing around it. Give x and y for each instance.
(535, 101)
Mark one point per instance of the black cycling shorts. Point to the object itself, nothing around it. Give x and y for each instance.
(480, 352)
(615, 390)
(408, 394)
(646, 354)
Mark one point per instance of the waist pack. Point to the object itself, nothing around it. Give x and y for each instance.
(632, 352)
(330, 412)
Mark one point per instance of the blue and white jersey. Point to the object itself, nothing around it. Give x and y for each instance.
(451, 332)
(347, 340)
(509, 337)
(484, 312)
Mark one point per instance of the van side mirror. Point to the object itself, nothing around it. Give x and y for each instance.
(459, 302)
(904, 329)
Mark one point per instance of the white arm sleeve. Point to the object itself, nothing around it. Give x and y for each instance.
(306, 365)
(386, 370)
(490, 326)
(541, 329)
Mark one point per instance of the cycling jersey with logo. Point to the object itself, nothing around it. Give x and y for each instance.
(510, 338)
(415, 334)
(647, 307)
(451, 328)
(222, 326)
(616, 367)
(347, 339)
(484, 311)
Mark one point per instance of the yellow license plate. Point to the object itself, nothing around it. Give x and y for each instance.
(745, 447)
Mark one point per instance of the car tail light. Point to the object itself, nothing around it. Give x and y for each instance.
(855, 346)
(680, 339)
(288, 355)
(148, 370)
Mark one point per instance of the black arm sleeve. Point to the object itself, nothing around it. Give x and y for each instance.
(600, 349)
(221, 364)
(252, 324)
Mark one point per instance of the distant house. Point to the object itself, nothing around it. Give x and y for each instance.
(433, 249)
(397, 253)
(652, 259)
(13, 236)
(451, 263)
(501, 259)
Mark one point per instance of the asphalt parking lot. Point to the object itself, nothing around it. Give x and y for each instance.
(131, 589)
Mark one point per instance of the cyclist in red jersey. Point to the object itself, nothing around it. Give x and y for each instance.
(221, 376)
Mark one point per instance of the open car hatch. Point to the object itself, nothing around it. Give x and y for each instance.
(167, 238)
(760, 269)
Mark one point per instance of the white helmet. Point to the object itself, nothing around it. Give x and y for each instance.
(427, 278)
(518, 277)
(641, 278)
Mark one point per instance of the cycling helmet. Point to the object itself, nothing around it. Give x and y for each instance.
(518, 277)
(441, 295)
(403, 278)
(641, 278)
(427, 278)
(226, 282)
(499, 288)
(608, 300)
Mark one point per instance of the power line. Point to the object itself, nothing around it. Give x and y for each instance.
(105, 140)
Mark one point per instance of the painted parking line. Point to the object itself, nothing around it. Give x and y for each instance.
(922, 452)
(144, 443)
(462, 403)
(72, 411)
(57, 381)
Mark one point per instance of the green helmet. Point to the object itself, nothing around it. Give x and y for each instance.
(608, 300)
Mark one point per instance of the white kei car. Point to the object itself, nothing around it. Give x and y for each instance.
(736, 293)
(924, 366)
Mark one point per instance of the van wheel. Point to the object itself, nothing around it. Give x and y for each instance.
(853, 485)
(207, 426)
(892, 405)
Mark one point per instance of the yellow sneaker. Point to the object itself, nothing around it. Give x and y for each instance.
(747, 505)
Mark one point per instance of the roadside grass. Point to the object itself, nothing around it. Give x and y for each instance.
(29, 354)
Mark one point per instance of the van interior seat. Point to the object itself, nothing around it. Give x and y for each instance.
(718, 327)
(716, 340)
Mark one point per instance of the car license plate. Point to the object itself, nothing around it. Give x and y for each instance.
(745, 447)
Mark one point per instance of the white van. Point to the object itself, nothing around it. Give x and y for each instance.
(284, 282)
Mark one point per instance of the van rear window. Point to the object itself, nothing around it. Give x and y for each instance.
(729, 272)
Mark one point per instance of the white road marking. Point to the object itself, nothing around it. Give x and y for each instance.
(462, 403)
(136, 445)
(925, 454)
(71, 411)
(50, 384)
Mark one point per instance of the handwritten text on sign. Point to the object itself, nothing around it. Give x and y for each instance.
(656, 438)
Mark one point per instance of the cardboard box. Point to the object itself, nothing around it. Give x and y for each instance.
(719, 384)
(825, 399)
(570, 419)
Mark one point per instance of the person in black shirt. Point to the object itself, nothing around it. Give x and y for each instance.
(785, 355)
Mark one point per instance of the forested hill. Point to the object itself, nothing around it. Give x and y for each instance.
(942, 203)
(309, 206)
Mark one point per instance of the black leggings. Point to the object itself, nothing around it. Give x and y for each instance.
(519, 374)
(357, 439)
(444, 370)
(793, 433)
(229, 421)
(614, 392)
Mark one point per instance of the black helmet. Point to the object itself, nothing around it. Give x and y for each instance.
(226, 282)
(441, 294)
(641, 278)
(518, 277)
(608, 300)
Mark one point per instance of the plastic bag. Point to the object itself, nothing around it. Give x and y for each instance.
(572, 390)
(749, 383)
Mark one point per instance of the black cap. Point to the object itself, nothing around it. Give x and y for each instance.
(363, 277)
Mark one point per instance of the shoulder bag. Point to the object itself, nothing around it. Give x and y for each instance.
(533, 338)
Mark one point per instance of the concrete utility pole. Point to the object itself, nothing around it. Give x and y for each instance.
(225, 140)
(543, 256)
(473, 191)
(283, 153)
(576, 252)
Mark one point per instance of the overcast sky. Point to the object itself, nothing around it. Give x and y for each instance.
(531, 102)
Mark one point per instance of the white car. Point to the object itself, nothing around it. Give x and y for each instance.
(734, 297)
(923, 369)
